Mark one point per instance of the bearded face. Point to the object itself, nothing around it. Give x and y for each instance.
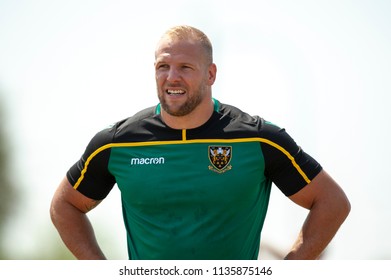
(182, 76)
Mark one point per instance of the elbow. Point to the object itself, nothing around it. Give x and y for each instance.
(347, 207)
(344, 208)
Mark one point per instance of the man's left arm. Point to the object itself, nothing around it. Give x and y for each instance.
(329, 207)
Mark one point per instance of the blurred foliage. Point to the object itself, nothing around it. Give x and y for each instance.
(7, 189)
(50, 247)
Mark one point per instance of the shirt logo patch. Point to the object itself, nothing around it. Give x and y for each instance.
(220, 157)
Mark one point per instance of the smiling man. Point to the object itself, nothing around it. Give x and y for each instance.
(195, 174)
(185, 73)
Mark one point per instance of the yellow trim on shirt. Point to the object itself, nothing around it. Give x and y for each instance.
(184, 141)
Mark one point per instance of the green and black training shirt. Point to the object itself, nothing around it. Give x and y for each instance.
(199, 193)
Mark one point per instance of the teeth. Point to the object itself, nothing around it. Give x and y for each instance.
(178, 91)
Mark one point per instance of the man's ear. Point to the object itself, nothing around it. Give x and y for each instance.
(212, 70)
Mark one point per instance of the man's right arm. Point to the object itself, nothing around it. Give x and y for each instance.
(68, 213)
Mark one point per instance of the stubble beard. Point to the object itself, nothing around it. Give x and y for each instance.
(191, 103)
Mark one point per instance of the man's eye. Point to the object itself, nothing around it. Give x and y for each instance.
(162, 66)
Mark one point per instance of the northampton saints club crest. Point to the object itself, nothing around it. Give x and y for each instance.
(220, 157)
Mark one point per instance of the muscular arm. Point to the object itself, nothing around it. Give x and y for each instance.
(328, 207)
(68, 213)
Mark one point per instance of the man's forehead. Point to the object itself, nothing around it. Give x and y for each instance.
(174, 47)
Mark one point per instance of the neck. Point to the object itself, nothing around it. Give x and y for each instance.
(196, 118)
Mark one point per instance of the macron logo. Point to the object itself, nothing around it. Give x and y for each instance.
(143, 161)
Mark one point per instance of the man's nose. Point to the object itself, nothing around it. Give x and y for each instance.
(173, 75)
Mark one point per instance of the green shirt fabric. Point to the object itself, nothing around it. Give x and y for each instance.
(193, 194)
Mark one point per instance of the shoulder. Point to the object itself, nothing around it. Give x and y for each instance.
(234, 112)
(115, 131)
(136, 119)
(241, 119)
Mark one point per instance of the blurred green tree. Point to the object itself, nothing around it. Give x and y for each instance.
(7, 190)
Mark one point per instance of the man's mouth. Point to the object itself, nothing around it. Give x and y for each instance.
(175, 91)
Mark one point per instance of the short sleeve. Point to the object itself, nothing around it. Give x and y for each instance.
(90, 174)
(286, 163)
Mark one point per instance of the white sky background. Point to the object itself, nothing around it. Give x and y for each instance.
(321, 69)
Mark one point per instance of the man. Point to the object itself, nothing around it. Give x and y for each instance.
(195, 174)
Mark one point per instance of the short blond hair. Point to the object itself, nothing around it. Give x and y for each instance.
(186, 32)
